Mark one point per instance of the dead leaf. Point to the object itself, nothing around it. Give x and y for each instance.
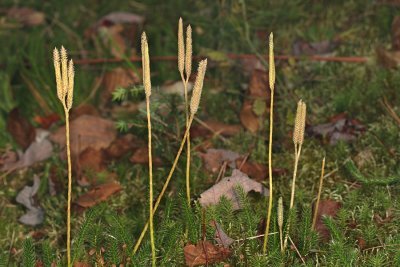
(122, 145)
(249, 120)
(220, 236)
(301, 48)
(8, 157)
(176, 87)
(26, 16)
(211, 127)
(81, 264)
(97, 194)
(255, 105)
(214, 158)
(255, 170)
(83, 109)
(35, 214)
(141, 156)
(86, 131)
(327, 207)
(20, 128)
(226, 187)
(41, 149)
(92, 159)
(204, 253)
(340, 128)
(118, 31)
(118, 77)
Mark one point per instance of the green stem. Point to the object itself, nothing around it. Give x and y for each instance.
(139, 241)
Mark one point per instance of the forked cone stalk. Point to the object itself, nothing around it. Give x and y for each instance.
(64, 72)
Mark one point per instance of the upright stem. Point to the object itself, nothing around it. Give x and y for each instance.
(297, 152)
(185, 83)
(139, 241)
(321, 179)
(271, 124)
(67, 139)
(153, 247)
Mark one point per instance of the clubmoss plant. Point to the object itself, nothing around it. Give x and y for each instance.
(147, 90)
(271, 123)
(321, 180)
(64, 72)
(185, 69)
(298, 139)
(194, 106)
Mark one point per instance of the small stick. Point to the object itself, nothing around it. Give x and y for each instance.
(297, 251)
(321, 180)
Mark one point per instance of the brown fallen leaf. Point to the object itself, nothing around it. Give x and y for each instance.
(81, 264)
(388, 59)
(258, 171)
(327, 207)
(227, 188)
(210, 127)
(214, 158)
(340, 128)
(118, 77)
(20, 129)
(204, 253)
(123, 145)
(26, 16)
(92, 159)
(83, 109)
(118, 31)
(249, 120)
(254, 107)
(97, 194)
(86, 131)
(8, 156)
(141, 156)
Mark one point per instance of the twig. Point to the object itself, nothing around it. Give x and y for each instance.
(297, 251)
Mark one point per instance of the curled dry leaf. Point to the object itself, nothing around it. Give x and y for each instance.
(46, 121)
(204, 253)
(41, 149)
(211, 127)
(26, 16)
(327, 207)
(340, 128)
(87, 131)
(97, 194)
(227, 188)
(35, 214)
(20, 129)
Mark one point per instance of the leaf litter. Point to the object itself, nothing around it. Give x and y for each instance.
(227, 188)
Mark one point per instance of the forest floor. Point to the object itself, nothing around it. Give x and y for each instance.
(339, 57)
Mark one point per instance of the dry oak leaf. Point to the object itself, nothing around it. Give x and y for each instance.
(204, 253)
(327, 207)
(214, 158)
(248, 118)
(97, 194)
(122, 145)
(87, 131)
(227, 188)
